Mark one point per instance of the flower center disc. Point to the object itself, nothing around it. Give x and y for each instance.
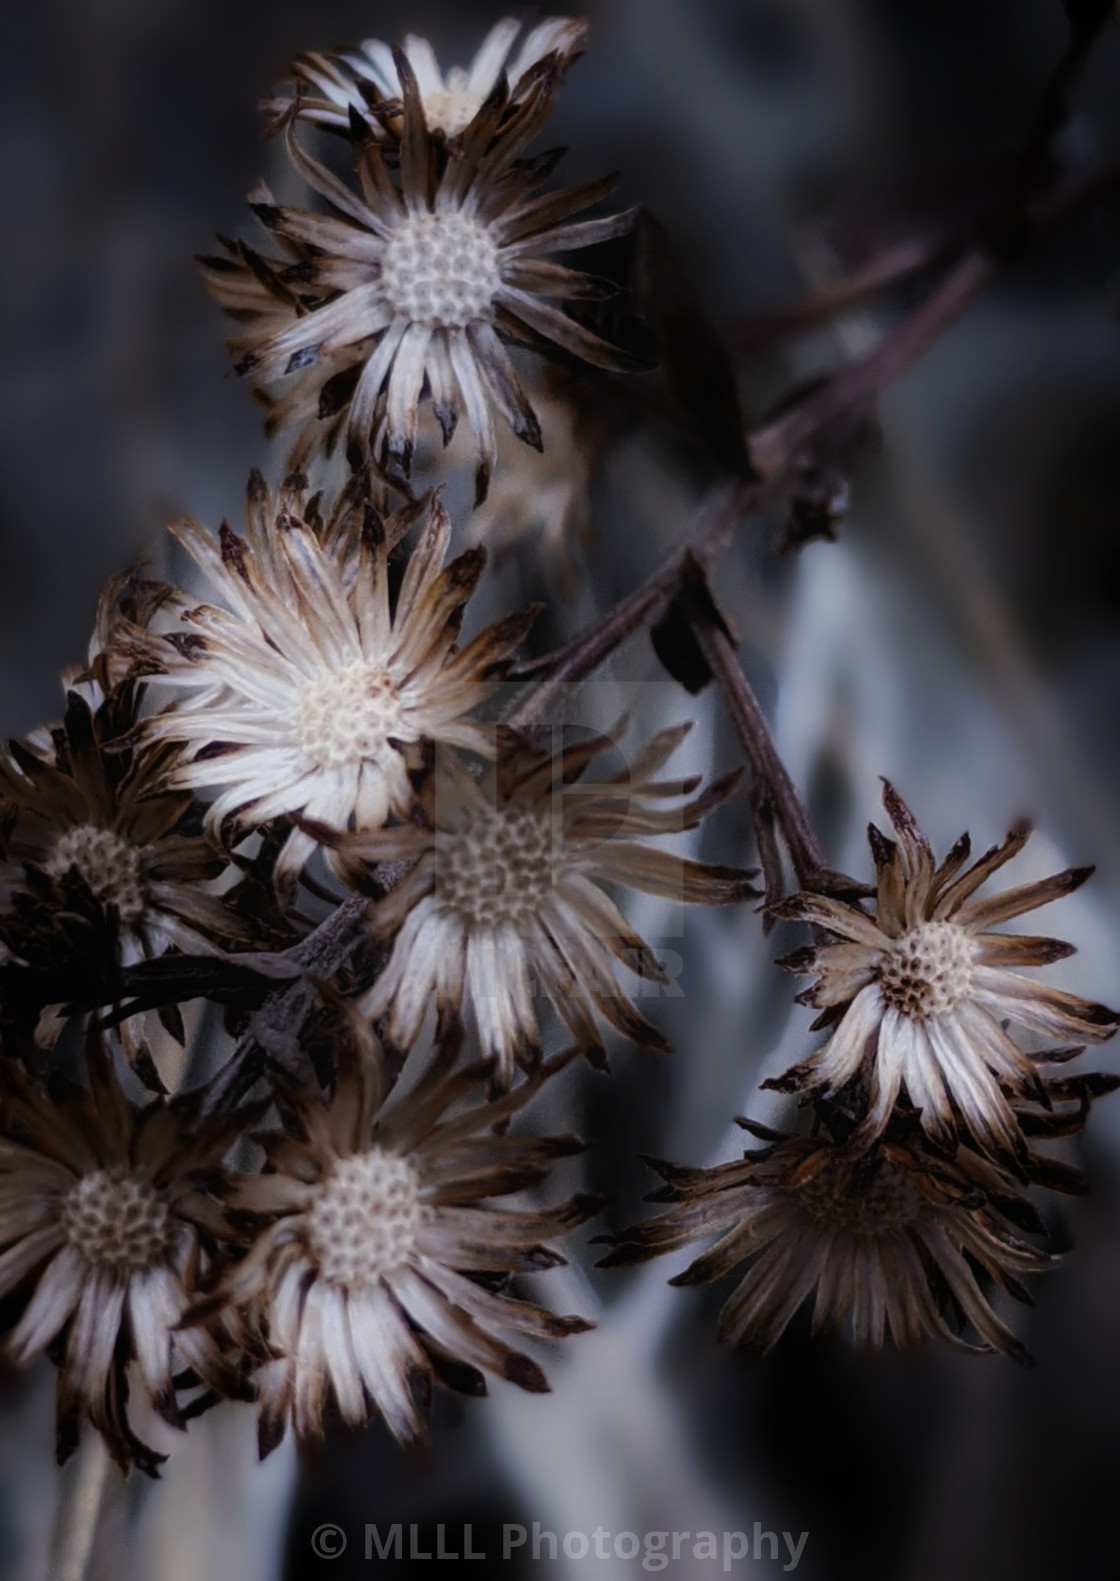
(440, 270)
(498, 868)
(928, 971)
(449, 110)
(110, 868)
(112, 1217)
(888, 1201)
(346, 716)
(364, 1221)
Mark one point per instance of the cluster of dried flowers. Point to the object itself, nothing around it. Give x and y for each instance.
(293, 803)
(911, 1179)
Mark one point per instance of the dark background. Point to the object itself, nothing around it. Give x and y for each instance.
(975, 599)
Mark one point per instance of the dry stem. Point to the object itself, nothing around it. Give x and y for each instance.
(82, 1489)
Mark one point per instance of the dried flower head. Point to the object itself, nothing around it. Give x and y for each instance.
(366, 79)
(891, 1241)
(508, 883)
(402, 289)
(82, 827)
(372, 1271)
(923, 991)
(126, 599)
(309, 691)
(106, 1219)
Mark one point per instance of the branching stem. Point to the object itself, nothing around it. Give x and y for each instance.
(273, 1032)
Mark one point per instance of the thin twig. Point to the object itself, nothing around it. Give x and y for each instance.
(1003, 235)
(902, 260)
(716, 524)
(886, 268)
(272, 1033)
(778, 450)
(775, 800)
(770, 773)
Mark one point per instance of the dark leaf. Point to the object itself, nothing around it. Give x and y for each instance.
(171, 1019)
(674, 639)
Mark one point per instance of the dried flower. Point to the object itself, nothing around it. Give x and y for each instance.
(87, 817)
(923, 990)
(402, 289)
(508, 882)
(366, 79)
(308, 693)
(891, 1241)
(127, 599)
(365, 1281)
(105, 1210)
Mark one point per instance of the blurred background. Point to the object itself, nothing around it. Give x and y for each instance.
(961, 638)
